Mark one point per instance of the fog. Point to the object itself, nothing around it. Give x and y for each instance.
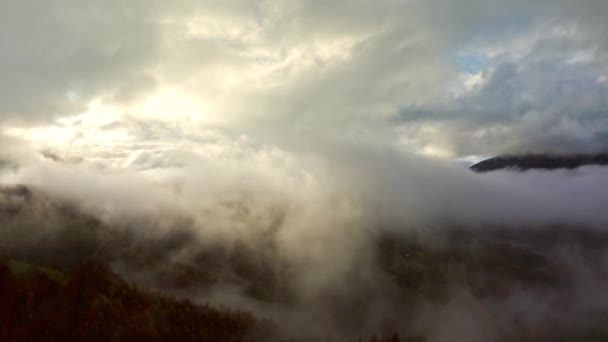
(311, 222)
(348, 186)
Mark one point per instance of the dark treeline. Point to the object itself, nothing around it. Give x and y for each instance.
(91, 303)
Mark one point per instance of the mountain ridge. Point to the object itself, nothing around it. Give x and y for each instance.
(531, 161)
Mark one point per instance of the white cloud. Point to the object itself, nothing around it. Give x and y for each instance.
(287, 70)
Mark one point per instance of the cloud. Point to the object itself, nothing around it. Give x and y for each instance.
(387, 71)
(313, 219)
(298, 123)
(537, 103)
(344, 186)
(57, 57)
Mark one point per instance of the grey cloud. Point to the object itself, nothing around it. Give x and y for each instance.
(58, 56)
(395, 55)
(543, 104)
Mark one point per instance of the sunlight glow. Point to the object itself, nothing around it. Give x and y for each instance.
(169, 104)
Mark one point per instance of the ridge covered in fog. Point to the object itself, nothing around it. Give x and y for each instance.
(540, 161)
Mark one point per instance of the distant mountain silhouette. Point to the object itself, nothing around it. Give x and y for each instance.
(539, 161)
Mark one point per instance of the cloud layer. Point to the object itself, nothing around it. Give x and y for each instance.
(449, 79)
(310, 222)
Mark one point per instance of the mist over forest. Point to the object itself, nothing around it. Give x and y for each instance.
(422, 248)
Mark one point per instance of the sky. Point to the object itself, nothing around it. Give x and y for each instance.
(119, 83)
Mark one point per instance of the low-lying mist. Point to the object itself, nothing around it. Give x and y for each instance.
(341, 243)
